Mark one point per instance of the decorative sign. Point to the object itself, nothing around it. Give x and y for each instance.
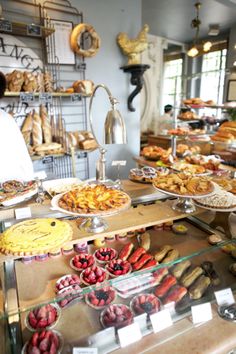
(161, 320)
(76, 97)
(129, 334)
(26, 97)
(119, 163)
(63, 51)
(81, 350)
(45, 98)
(224, 297)
(5, 26)
(34, 30)
(23, 213)
(201, 313)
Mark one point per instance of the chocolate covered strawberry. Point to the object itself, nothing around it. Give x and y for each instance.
(145, 303)
(82, 261)
(93, 275)
(43, 342)
(117, 315)
(66, 281)
(118, 267)
(43, 317)
(105, 254)
(101, 297)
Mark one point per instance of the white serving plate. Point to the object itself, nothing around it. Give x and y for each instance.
(60, 183)
(185, 195)
(19, 199)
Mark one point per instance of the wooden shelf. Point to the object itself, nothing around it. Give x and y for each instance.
(36, 94)
(26, 29)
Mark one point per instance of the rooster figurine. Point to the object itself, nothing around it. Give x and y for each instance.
(133, 47)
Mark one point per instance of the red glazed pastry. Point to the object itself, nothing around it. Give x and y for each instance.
(93, 275)
(150, 264)
(148, 303)
(42, 317)
(126, 251)
(116, 316)
(118, 267)
(67, 280)
(82, 261)
(165, 286)
(136, 255)
(175, 294)
(100, 298)
(144, 259)
(44, 342)
(105, 254)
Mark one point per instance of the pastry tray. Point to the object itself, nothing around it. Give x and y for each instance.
(59, 183)
(185, 195)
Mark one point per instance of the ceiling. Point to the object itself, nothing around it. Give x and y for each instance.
(172, 18)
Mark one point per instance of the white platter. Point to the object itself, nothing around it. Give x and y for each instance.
(19, 199)
(185, 195)
(60, 183)
(224, 210)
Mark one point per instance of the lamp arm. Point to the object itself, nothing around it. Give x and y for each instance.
(113, 101)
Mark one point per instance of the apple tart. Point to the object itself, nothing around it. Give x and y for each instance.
(94, 199)
(35, 236)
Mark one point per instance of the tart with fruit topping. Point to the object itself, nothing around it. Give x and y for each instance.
(118, 267)
(117, 315)
(42, 317)
(44, 342)
(69, 294)
(67, 280)
(100, 298)
(93, 275)
(142, 303)
(82, 261)
(105, 254)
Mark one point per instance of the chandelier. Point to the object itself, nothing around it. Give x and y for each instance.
(197, 47)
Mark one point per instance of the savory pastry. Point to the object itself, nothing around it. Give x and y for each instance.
(144, 240)
(12, 186)
(30, 82)
(94, 199)
(15, 81)
(180, 268)
(36, 236)
(198, 289)
(190, 276)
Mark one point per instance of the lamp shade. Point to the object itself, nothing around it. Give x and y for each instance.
(115, 132)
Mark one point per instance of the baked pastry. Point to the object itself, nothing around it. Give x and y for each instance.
(48, 82)
(27, 128)
(30, 82)
(145, 303)
(37, 136)
(15, 81)
(214, 239)
(219, 200)
(83, 86)
(88, 144)
(51, 148)
(117, 315)
(36, 236)
(98, 299)
(94, 199)
(46, 126)
(40, 82)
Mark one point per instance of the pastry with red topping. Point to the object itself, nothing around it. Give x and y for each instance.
(148, 303)
(82, 261)
(118, 267)
(93, 275)
(42, 317)
(100, 298)
(67, 280)
(43, 342)
(105, 254)
(117, 315)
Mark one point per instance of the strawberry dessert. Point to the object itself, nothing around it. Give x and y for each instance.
(117, 316)
(105, 254)
(100, 298)
(42, 317)
(67, 280)
(68, 294)
(118, 267)
(148, 303)
(93, 275)
(43, 342)
(82, 261)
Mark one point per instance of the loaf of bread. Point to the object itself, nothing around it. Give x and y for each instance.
(16, 80)
(46, 126)
(46, 147)
(27, 127)
(40, 82)
(37, 129)
(30, 82)
(48, 82)
(83, 86)
(72, 140)
(88, 144)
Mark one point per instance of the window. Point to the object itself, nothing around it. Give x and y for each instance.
(213, 75)
(172, 82)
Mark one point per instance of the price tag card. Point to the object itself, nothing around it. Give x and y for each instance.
(84, 350)
(121, 163)
(45, 98)
(161, 320)
(129, 334)
(75, 97)
(34, 30)
(26, 97)
(40, 175)
(224, 297)
(201, 313)
(5, 26)
(23, 213)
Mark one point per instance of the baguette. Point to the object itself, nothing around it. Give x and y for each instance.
(37, 130)
(46, 126)
(27, 128)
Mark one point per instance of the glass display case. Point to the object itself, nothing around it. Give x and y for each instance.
(88, 310)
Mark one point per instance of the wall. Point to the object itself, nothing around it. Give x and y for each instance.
(109, 17)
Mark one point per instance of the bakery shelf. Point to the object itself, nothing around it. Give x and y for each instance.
(27, 29)
(36, 94)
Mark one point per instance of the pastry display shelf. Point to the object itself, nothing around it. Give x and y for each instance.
(37, 94)
(25, 29)
(87, 331)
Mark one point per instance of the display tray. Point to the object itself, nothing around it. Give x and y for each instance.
(215, 209)
(62, 185)
(17, 199)
(184, 195)
(48, 272)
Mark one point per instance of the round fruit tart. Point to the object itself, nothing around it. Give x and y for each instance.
(118, 267)
(142, 303)
(82, 261)
(44, 342)
(93, 275)
(43, 317)
(100, 298)
(105, 254)
(117, 316)
(67, 280)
